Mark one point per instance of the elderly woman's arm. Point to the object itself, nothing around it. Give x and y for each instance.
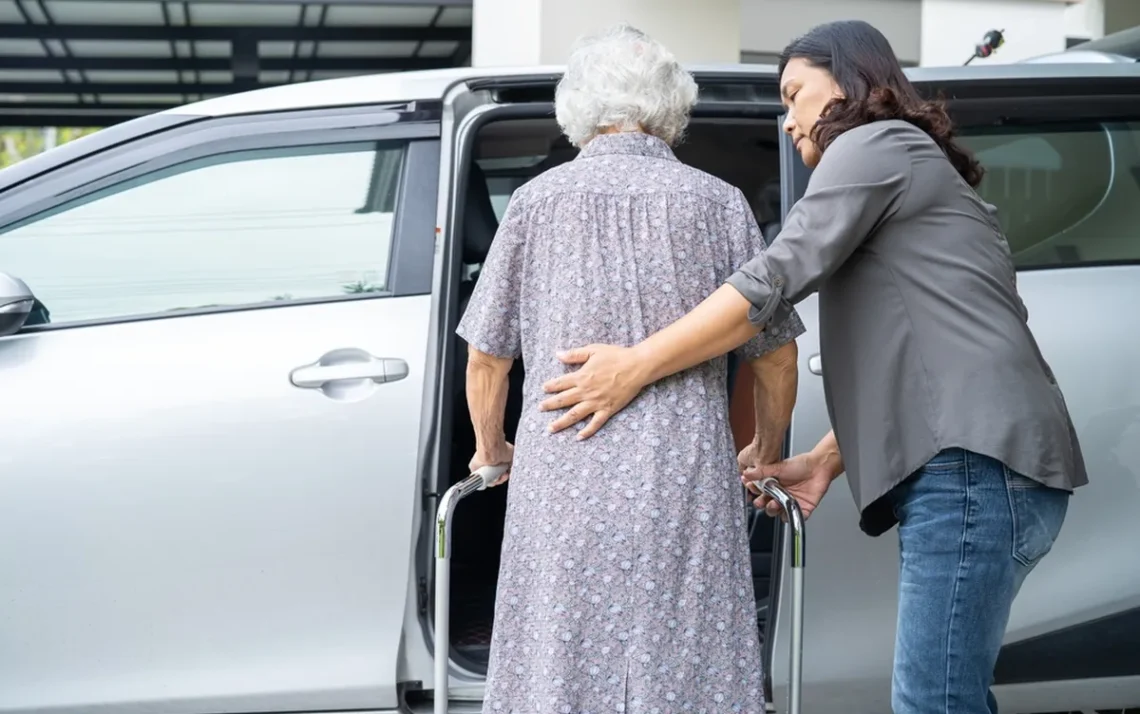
(491, 328)
(776, 377)
(487, 382)
(861, 180)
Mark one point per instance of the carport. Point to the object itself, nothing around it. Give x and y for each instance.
(92, 63)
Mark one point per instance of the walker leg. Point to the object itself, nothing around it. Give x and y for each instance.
(478, 481)
(795, 531)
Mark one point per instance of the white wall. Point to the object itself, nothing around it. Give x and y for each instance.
(529, 32)
(937, 32)
(696, 32)
(1085, 19)
(927, 32)
(766, 26)
(505, 32)
(951, 29)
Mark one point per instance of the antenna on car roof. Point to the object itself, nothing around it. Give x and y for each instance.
(989, 44)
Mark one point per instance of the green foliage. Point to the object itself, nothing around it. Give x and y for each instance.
(360, 286)
(19, 143)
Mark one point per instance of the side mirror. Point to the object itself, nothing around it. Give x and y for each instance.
(16, 302)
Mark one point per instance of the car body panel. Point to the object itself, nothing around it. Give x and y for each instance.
(205, 532)
(851, 581)
(1125, 43)
(186, 527)
(193, 533)
(1075, 56)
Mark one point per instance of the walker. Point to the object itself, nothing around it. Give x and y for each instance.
(488, 475)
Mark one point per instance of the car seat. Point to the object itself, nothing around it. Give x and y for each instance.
(771, 200)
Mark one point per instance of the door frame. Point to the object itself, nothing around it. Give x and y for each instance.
(438, 412)
(468, 107)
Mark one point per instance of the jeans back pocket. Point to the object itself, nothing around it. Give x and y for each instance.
(1038, 513)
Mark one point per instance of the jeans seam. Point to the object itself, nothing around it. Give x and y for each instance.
(1010, 495)
(958, 578)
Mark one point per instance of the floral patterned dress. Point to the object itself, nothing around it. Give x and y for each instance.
(625, 583)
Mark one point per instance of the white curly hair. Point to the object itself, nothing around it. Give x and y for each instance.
(623, 79)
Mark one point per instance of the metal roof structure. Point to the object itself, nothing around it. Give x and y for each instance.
(98, 62)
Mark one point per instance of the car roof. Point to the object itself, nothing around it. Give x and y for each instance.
(384, 88)
(435, 84)
(1125, 43)
(387, 87)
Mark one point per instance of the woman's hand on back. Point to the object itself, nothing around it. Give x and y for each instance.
(609, 378)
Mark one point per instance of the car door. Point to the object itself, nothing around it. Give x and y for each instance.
(210, 437)
(1069, 199)
(1062, 153)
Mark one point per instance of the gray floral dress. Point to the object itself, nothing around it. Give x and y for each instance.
(625, 583)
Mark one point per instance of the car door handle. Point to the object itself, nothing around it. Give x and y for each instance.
(348, 365)
(815, 364)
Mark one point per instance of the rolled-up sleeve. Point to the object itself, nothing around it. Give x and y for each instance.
(860, 182)
(746, 242)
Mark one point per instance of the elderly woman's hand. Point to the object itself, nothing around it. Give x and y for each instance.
(759, 453)
(498, 454)
(609, 379)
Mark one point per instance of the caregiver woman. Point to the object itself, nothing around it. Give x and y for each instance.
(945, 416)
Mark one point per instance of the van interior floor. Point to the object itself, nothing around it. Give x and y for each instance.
(743, 152)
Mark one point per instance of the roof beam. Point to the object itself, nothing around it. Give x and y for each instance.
(199, 33)
(224, 64)
(245, 61)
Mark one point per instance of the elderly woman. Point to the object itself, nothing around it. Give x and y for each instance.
(625, 580)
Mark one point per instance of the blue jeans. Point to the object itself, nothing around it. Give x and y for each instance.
(970, 530)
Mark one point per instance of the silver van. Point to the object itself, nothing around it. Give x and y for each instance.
(232, 395)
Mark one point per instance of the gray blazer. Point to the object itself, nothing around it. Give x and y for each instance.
(923, 337)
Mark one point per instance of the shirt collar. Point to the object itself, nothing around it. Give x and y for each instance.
(630, 143)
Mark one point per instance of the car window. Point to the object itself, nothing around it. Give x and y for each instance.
(1067, 195)
(230, 230)
(501, 189)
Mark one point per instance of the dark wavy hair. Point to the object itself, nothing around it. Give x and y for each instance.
(863, 64)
